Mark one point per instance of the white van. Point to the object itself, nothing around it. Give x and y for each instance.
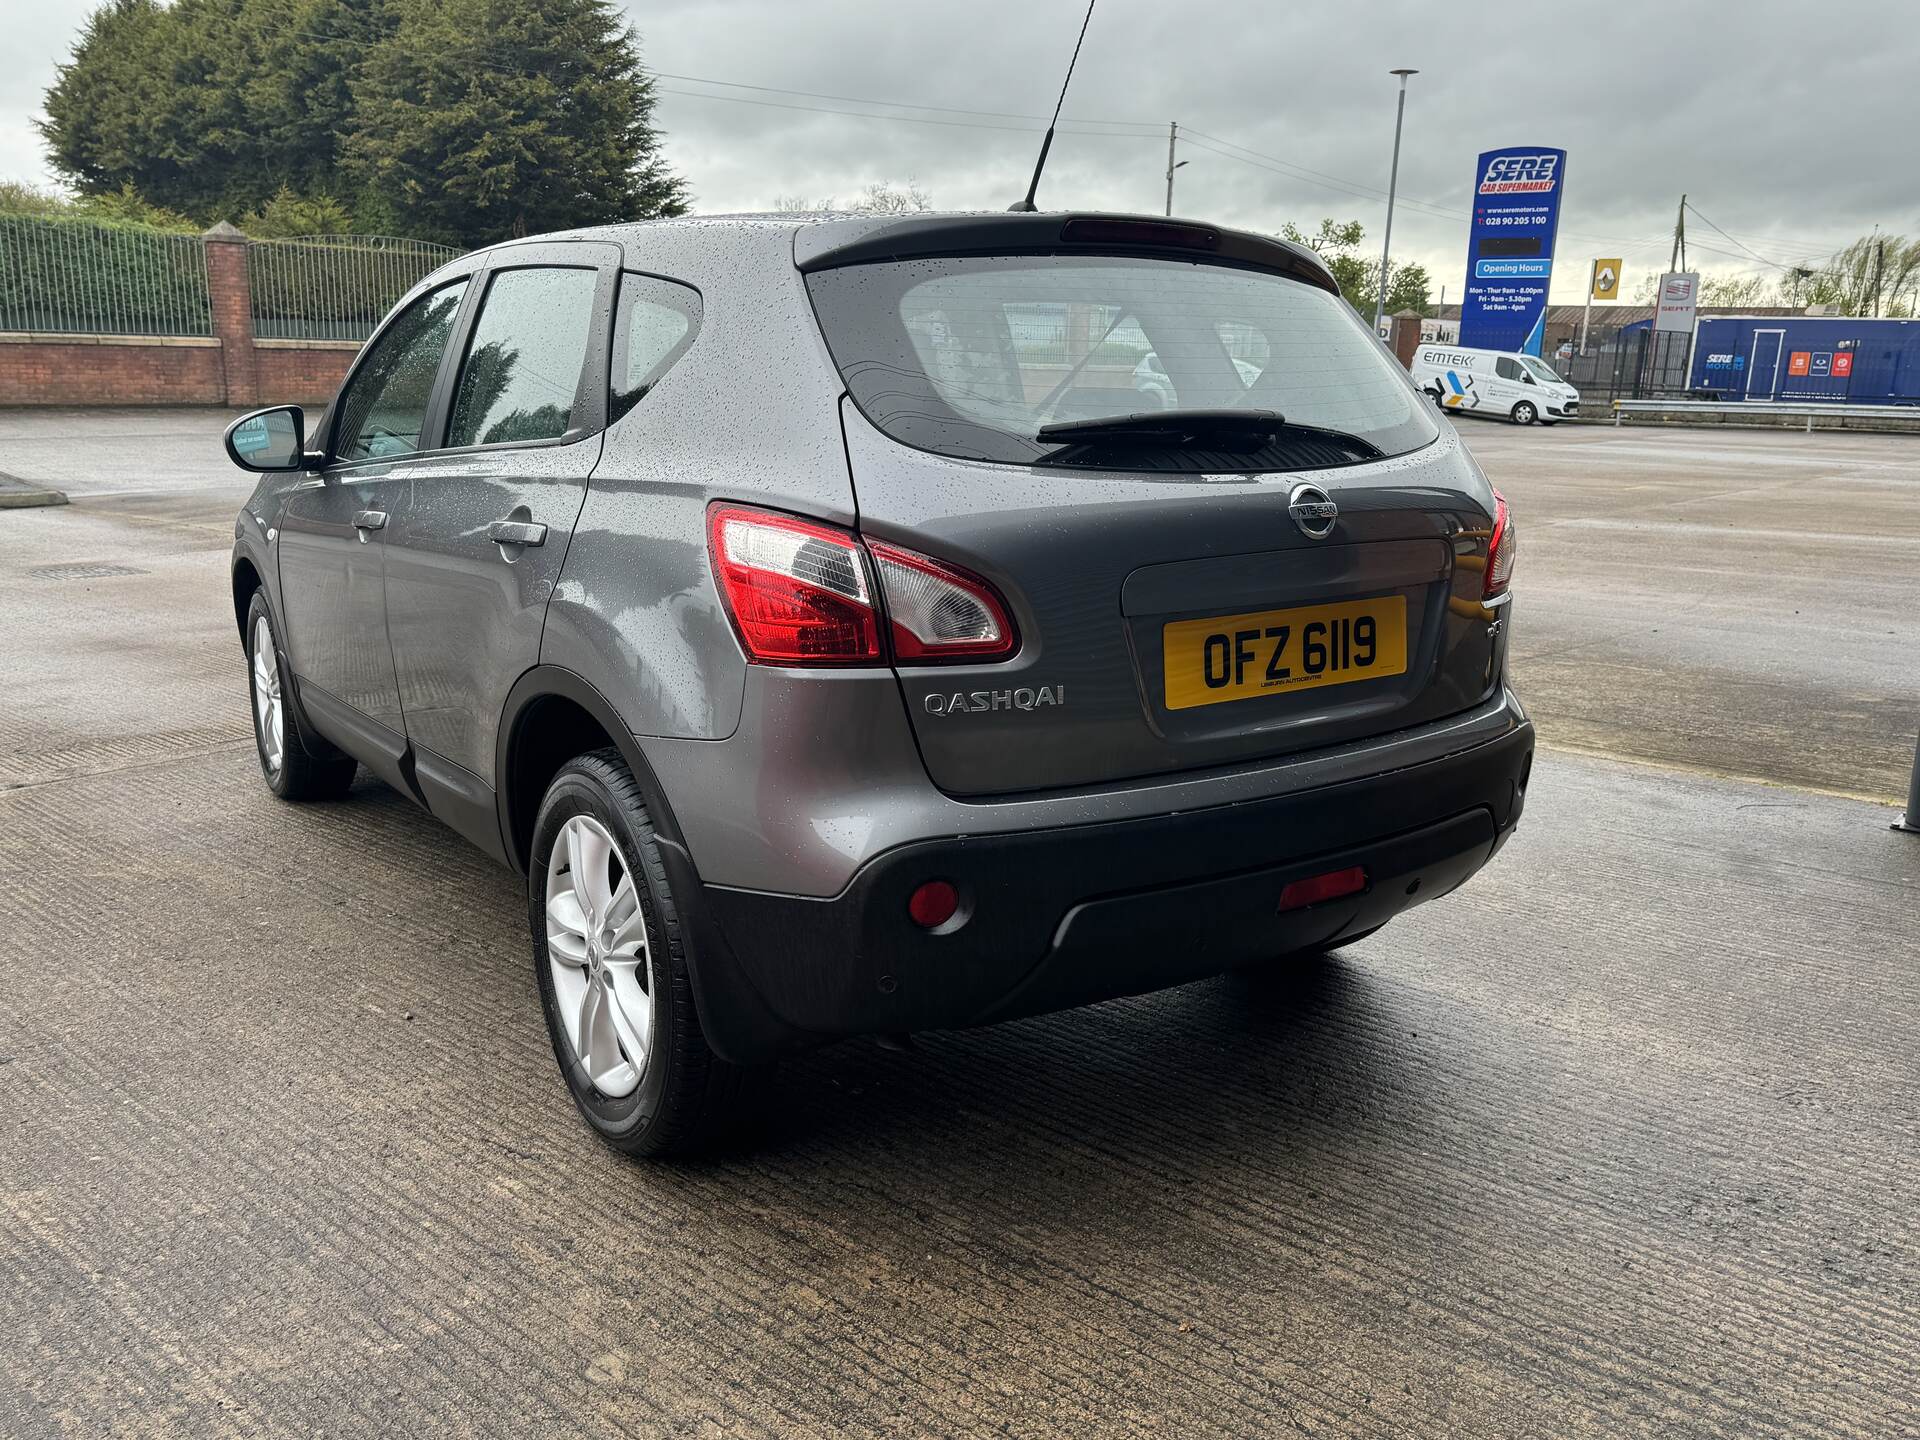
(1494, 382)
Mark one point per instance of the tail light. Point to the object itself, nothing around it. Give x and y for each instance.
(797, 592)
(1499, 550)
(802, 593)
(938, 612)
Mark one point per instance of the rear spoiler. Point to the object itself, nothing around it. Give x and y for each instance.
(868, 241)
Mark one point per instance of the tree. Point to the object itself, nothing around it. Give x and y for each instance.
(209, 106)
(468, 121)
(288, 216)
(466, 149)
(1847, 282)
(882, 197)
(1338, 242)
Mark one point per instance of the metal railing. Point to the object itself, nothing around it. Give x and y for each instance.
(1628, 364)
(333, 287)
(63, 276)
(1770, 412)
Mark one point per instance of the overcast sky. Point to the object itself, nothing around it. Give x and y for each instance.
(1792, 126)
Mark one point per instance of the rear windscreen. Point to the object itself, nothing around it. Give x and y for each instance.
(971, 355)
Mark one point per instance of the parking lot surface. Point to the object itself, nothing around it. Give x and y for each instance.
(1619, 1140)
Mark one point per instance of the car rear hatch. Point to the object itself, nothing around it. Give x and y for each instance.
(1238, 590)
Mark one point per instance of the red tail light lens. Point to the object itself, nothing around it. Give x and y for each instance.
(802, 593)
(798, 593)
(1500, 550)
(939, 612)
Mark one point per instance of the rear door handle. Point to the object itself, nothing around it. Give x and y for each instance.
(516, 532)
(366, 520)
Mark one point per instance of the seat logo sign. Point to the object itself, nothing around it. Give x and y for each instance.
(1520, 174)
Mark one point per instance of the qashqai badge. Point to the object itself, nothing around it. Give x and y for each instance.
(1313, 511)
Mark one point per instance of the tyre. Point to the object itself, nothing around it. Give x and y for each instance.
(1524, 413)
(296, 763)
(610, 961)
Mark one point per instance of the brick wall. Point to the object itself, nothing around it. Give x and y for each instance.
(165, 370)
(228, 368)
(302, 372)
(110, 370)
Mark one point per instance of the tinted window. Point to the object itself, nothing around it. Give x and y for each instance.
(1506, 369)
(653, 327)
(385, 404)
(521, 376)
(970, 356)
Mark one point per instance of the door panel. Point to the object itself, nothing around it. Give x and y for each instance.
(464, 611)
(475, 551)
(1763, 368)
(331, 591)
(333, 532)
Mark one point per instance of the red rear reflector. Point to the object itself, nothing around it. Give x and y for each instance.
(797, 592)
(933, 904)
(1330, 886)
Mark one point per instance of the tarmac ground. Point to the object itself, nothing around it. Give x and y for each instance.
(1619, 1140)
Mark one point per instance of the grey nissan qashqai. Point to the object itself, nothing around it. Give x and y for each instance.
(822, 617)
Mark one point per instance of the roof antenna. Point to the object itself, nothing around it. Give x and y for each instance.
(1046, 144)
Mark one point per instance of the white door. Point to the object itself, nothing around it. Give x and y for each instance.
(1763, 364)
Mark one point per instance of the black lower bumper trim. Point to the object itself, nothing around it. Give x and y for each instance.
(1065, 917)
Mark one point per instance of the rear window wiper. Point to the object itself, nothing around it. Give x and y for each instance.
(1229, 430)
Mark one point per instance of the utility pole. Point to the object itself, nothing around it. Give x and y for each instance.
(1679, 238)
(1173, 134)
(1393, 183)
(1586, 306)
(1879, 263)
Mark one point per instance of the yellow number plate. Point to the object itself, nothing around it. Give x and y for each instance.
(1236, 657)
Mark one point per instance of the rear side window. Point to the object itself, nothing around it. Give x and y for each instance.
(521, 377)
(385, 404)
(970, 355)
(653, 325)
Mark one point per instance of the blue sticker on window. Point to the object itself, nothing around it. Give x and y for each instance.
(250, 436)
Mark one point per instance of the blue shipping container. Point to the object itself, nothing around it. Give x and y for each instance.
(1860, 362)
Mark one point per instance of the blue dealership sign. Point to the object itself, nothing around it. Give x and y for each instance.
(1516, 213)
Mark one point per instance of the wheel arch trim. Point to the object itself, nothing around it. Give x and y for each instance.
(547, 682)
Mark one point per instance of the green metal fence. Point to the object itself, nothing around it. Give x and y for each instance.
(334, 287)
(65, 276)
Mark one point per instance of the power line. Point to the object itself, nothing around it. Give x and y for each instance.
(894, 104)
(1742, 244)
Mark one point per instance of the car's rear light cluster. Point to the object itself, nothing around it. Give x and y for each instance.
(803, 593)
(1500, 550)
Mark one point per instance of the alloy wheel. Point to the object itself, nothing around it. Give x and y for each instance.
(597, 952)
(268, 707)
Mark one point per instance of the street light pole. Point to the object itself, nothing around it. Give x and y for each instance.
(1393, 184)
(1173, 134)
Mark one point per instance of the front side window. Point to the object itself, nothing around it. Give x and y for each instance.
(1507, 368)
(521, 376)
(972, 355)
(385, 404)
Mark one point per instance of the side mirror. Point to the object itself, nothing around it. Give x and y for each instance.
(269, 440)
(1527, 375)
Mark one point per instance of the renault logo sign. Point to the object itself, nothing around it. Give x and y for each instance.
(1313, 511)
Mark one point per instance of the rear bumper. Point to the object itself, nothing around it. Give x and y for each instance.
(1071, 915)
